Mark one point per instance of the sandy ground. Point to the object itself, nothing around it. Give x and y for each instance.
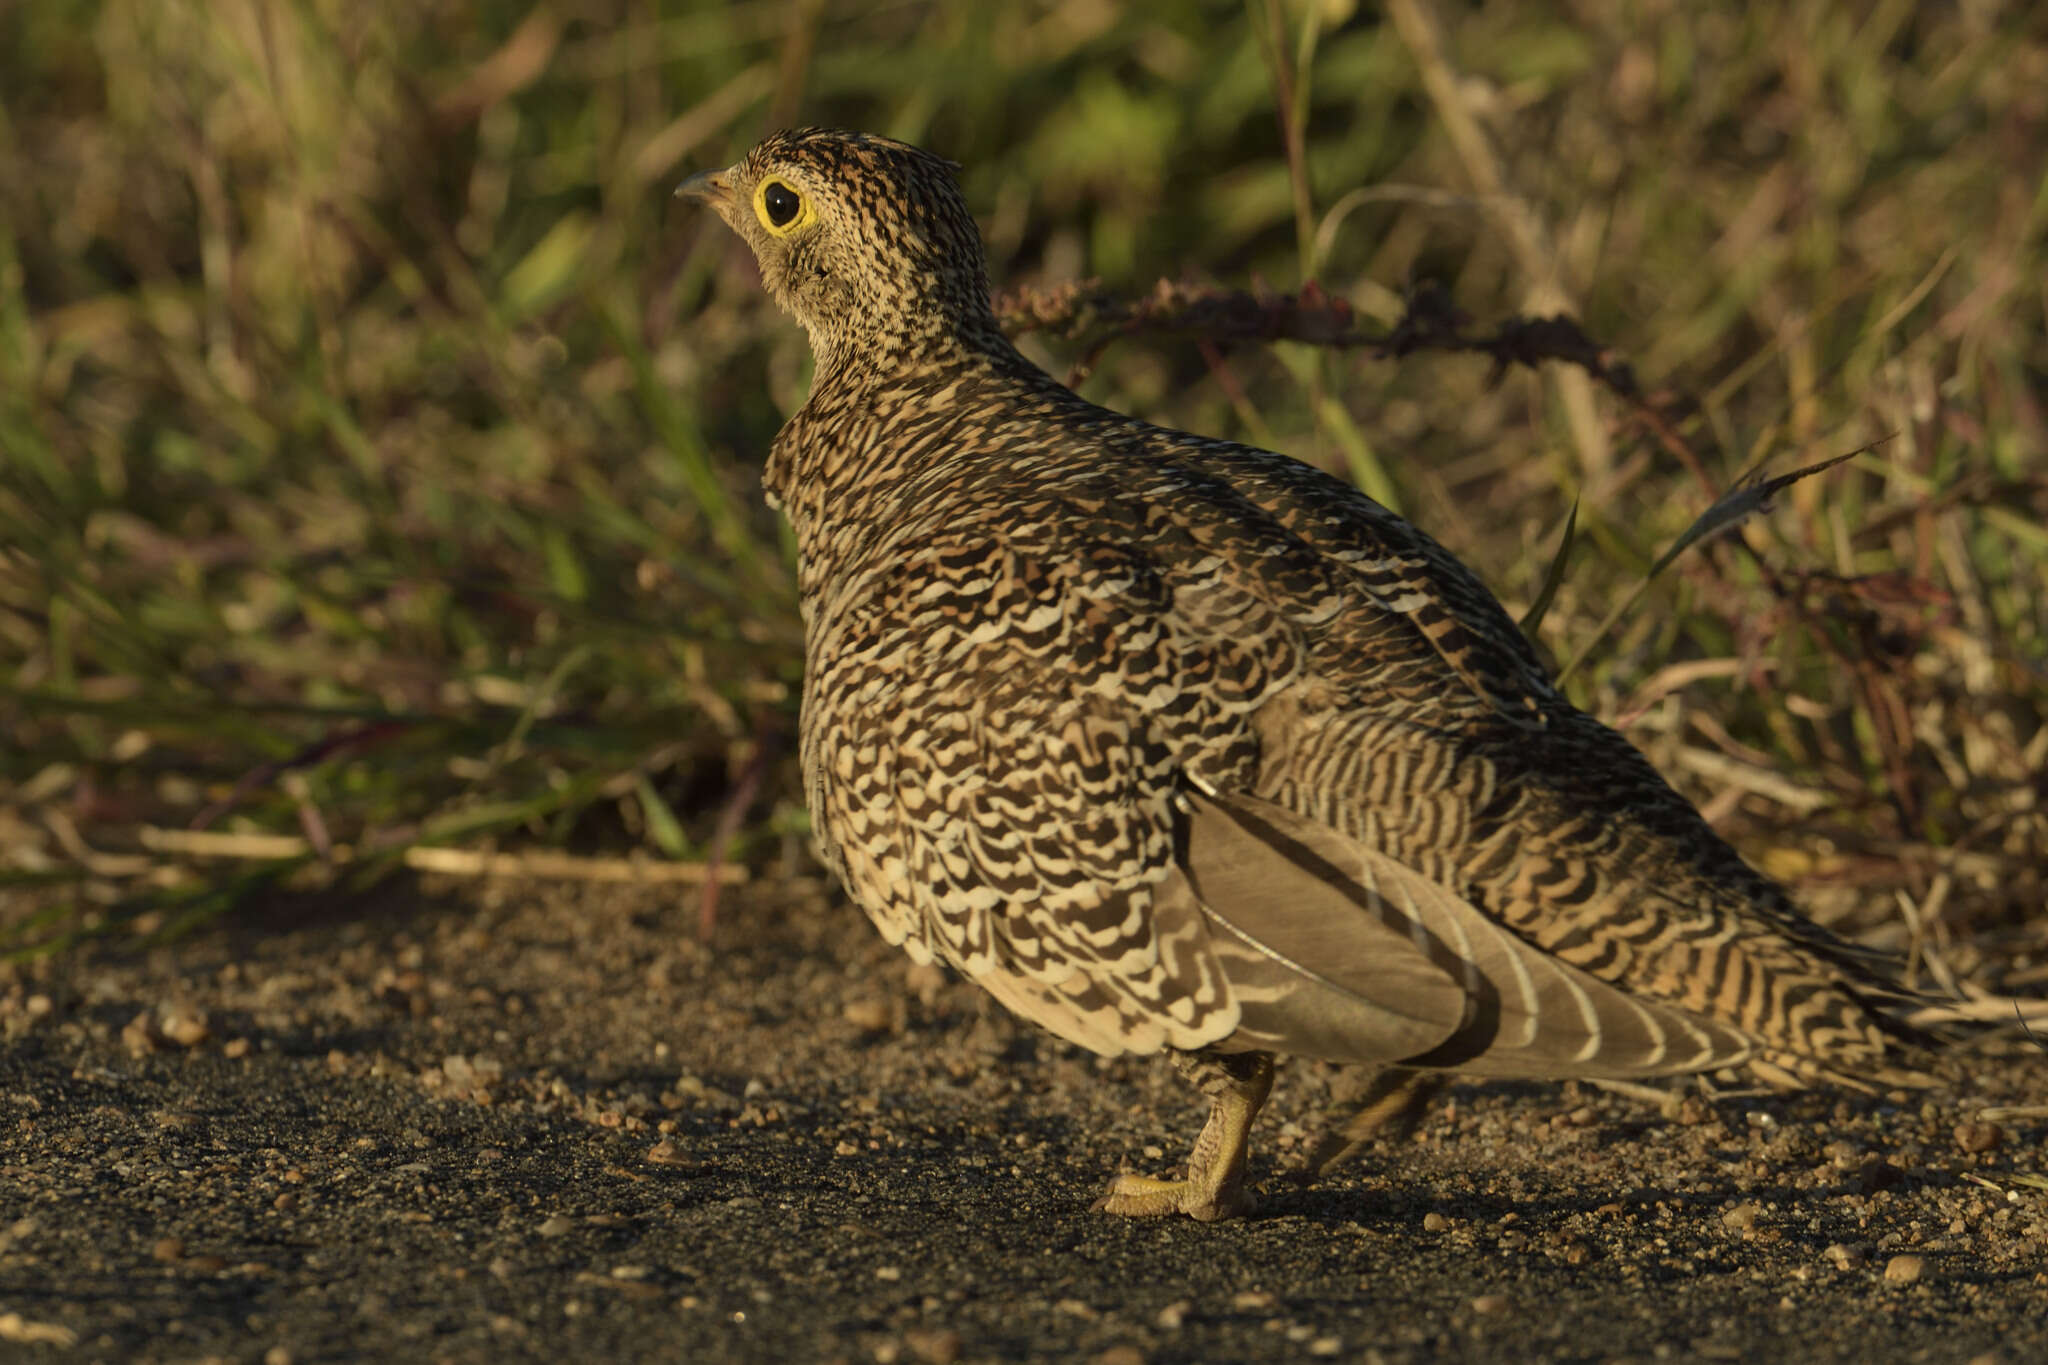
(508, 1122)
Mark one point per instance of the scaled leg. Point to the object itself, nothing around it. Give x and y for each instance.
(1237, 1084)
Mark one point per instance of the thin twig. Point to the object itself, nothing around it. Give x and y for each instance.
(730, 816)
(460, 862)
(357, 737)
(1224, 317)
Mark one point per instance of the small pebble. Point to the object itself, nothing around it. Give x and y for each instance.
(1254, 1301)
(869, 1016)
(139, 1035)
(167, 1249)
(940, 1347)
(1326, 1346)
(555, 1225)
(183, 1025)
(1978, 1137)
(1844, 1256)
(1904, 1269)
(1118, 1355)
(1741, 1218)
(1173, 1315)
(1435, 1222)
(1490, 1304)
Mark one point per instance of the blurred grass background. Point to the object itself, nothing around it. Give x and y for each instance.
(379, 441)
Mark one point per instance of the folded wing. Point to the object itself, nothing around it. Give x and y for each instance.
(1332, 950)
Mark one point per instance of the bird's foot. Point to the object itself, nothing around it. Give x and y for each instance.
(1142, 1196)
(1237, 1084)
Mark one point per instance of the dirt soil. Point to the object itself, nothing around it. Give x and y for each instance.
(495, 1122)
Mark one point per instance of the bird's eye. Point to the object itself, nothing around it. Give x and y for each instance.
(780, 203)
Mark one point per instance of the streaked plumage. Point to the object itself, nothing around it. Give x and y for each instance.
(1175, 744)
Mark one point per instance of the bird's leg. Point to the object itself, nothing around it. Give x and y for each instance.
(1237, 1085)
(1388, 1105)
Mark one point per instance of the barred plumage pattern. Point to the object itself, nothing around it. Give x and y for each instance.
(1172, 743)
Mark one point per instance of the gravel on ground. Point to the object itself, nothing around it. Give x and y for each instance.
(498, 1121)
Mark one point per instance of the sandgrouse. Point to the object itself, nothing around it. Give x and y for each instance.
(1178, 745)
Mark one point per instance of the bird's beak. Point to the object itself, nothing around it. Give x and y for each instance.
(713, 187)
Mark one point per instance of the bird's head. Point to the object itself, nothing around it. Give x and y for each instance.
(864, 240)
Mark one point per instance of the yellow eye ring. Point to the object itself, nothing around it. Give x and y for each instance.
(781, 209)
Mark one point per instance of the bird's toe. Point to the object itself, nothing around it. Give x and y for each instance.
(1142, 1196)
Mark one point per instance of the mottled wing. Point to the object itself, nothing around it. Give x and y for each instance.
(1545, 823)
(1405, 572)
